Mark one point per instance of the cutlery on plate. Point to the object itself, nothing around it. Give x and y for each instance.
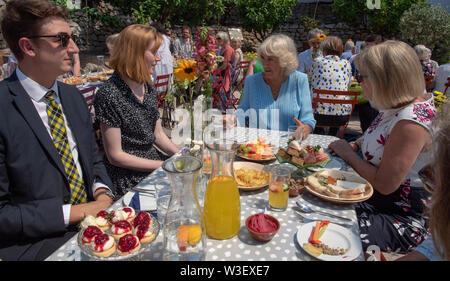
(306, 220)
(306, 209)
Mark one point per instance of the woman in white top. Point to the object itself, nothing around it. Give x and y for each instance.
(394, 148)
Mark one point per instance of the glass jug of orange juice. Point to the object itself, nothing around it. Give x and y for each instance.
(222, 205)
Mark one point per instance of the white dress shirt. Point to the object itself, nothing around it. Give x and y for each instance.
(37, 93)
(305, 60)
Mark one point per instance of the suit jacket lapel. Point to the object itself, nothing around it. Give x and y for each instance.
(25, 106)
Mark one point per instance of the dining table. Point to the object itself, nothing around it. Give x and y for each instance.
(242, 247)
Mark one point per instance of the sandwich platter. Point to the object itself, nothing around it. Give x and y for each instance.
(339, 186)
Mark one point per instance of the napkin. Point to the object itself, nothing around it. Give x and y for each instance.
(135, 202)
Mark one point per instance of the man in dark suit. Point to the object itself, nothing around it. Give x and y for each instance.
(51, 173)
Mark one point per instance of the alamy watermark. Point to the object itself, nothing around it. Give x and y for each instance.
(373, 4)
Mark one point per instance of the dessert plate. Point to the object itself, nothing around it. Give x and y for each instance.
(335, 236)
(87, 250)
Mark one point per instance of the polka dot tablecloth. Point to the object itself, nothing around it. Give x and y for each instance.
(242, 247)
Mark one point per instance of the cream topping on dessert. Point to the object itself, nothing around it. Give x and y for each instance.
(121, 227)
(90, 233)
(142, 230)
(123, 214)
(87, 221)
(103, 242)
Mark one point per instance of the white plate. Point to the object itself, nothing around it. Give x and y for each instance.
(335, 236)
(147, 201)
(332, 165)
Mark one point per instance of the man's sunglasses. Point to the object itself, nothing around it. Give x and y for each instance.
(360, 78)
(62, 36)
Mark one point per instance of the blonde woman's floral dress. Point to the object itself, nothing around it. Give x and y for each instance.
(395, 222)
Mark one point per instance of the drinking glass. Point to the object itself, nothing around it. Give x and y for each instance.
(279, 188)
(163, 194)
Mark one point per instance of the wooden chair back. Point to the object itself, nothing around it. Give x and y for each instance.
(162, 87)
(428, 82)
(353, 101)
(447, 85)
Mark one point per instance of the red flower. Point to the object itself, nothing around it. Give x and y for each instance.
(382, 140)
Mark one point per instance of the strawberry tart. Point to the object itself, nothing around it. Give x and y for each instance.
(103, 246)
(120, 228)
(102, 219)
(142, 218)
(126, 213)
(128, 244)
(89, 234)
(144, 233)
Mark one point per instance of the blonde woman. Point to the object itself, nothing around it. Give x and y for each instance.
(395, 147)
(280, 88)
(126, 107)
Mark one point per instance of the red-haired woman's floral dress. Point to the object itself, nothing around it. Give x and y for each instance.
(395, 222)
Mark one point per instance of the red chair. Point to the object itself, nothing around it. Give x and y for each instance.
(447, 85)
(162, 87)
(353, 101)
(428, 81)
(89, 96)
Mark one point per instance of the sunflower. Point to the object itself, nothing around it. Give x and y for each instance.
(186, 70)
(322, 37)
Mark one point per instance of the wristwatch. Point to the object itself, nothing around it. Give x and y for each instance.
(107, 192)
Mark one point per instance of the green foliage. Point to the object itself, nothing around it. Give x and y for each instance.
(60, 2)
(94, 15)
(429, 26)
(385, 20)
(309, 23)
(263, 16)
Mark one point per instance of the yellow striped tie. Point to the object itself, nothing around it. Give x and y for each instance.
(59, 135)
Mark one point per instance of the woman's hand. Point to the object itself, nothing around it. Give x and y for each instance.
(342, 148)
(306, 128)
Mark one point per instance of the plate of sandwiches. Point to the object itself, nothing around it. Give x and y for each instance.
(303, 156)
(339, 186)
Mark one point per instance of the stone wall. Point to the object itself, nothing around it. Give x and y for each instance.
(92, 36)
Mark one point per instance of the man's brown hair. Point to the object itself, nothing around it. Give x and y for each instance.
(21, 18)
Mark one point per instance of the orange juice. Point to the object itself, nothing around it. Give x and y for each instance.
(222, 208)
(278, 195)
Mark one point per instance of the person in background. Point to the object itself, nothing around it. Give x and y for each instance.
(429, 66)
(441, 78)
(330, 72)
(224, 69)
(437, 246)
(306, 58)
(237, 74)
(349, 50)
(165, 65)
(279, 89)
(52, 174)
(367, 113)
(110, 40)
(183, 46)
(169, 35)
(395, 147)
(236, 44)
(126, 108)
